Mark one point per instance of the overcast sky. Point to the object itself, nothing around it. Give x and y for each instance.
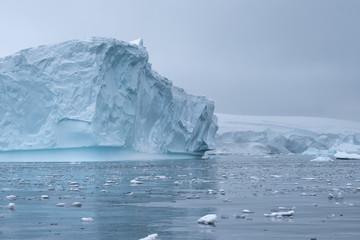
(252, 57)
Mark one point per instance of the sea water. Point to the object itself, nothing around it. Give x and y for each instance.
(130, 199)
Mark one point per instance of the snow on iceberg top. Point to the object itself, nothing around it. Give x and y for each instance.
(97, 92)
(138, 42)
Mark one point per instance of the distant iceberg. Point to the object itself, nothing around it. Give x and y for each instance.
(98, 92)
(285, 135)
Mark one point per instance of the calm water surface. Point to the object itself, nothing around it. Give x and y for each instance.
(175, 193)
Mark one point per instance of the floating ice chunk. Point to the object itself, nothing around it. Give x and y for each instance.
(44, 197)
(308, 178)
(207, 219)
(11, 206)
(280, 214)
(222, 191)
(322, 159)
(60, 204)
(158, 177)
(87, 219)
(11, 197)
(134, 181)
(211, 192)
(275, 176)
(343, 155)
(150, 237)
(76, 204)
(247, 211)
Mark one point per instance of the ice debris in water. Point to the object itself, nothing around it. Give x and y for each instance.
(280, 214)
(135, 181)
(87, 219)
(11, 206)
(208, 219)
(247, 211)
(11, 197)
(44, 197)
(76, 204)
(60, 204)
(150, 237)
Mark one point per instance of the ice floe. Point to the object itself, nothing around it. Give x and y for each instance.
(280, 214)
(208, 219)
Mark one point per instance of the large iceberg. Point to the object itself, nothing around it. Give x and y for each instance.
(286, 135)
(98, 92)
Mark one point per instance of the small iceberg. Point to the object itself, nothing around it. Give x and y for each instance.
(207, 219)
(280, 214)
(322, 159)
(150, 237)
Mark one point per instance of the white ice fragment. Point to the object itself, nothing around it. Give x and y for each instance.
(87, 219)
(60, 204)
(44, 197)
(275, 176)
(11, 206)
(211, 192)
(280, 214)
(158, 177)
(308, 178)
(76, 204)
(150, 237)
(11, 197)
(208, 219)
(247, 211)
(135, 181)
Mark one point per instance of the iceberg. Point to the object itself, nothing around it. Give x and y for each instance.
(98, 92)
(259, 135)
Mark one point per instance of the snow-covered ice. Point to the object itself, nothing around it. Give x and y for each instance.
(208, 219)
(98, 92)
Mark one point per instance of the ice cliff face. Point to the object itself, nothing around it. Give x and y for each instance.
(99, 92)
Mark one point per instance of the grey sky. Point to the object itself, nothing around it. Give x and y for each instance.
(255, 57)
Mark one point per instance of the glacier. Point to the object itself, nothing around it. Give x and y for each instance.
(98, 92)
(257, 135)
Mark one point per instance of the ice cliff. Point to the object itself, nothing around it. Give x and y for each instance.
(286, 135)
(97, 92)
